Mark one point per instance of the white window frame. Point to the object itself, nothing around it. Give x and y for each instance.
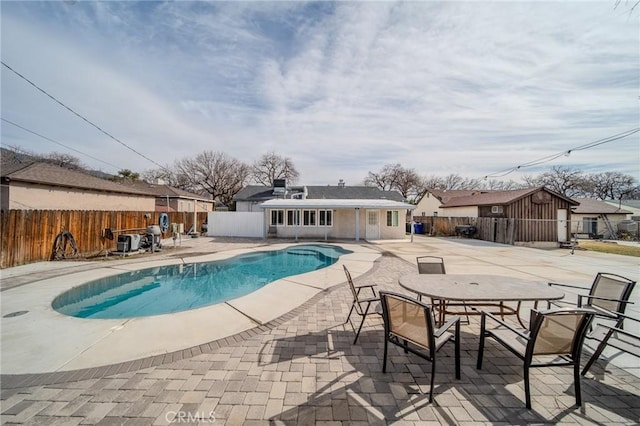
(293, 214)
(497, 209)
(309, 217)
(325, 218)
(277, 222)
(393, 218)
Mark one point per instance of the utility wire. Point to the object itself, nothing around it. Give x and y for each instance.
(58, 143)
(567, 152)
(80, 116)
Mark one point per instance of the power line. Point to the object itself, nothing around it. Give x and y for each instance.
(80, 116)
(58, 143)
(566, 153)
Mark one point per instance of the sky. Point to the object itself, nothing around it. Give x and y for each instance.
(341, 88)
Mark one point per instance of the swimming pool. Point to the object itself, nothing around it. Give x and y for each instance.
(176, 288)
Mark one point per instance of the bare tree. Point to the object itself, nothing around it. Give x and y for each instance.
(166, 176)
(564, 180)
(386, 178)
(409, 184)
(611, 186)
(498, 185)
(215, 173)
(61, 159)
(272, 166)
(395, 177)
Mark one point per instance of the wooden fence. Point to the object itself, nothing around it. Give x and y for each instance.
(497, 230)
(28, 235)
(443, 226)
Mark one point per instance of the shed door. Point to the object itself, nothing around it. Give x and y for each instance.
(373, 224)
(562, 225)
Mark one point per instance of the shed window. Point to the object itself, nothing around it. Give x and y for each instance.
(392, 218)
(325, 217)
(277, 217)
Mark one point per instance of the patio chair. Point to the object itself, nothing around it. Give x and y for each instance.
(557, 332)
(361, 305)
(609, 296)
(430, 265)
(434, 265)
(408, 323)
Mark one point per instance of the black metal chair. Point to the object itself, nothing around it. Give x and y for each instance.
(557, 332)
(408, 323)
(430, 265)
(609, 296)
(361, 305)
(434, 265)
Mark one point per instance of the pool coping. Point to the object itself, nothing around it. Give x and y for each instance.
(18, 380)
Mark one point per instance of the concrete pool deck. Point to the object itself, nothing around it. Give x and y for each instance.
(76, 343)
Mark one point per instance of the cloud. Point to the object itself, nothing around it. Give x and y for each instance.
(341, 88)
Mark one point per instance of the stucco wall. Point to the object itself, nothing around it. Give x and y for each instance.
(25, 196)
(466, 211)
(577, 222)
(427, 205)
(344, 223)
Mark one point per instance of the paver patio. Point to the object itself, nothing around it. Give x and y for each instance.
(303, 369)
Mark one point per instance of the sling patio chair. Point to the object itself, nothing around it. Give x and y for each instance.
(434, 265)
(557, 332)
(409, 323)
(361, 305)
(430, 265)
(609, 296)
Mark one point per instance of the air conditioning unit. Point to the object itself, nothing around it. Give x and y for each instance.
(128, 242)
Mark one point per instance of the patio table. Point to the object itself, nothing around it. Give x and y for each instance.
(471, 290)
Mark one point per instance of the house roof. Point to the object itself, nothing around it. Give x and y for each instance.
(336, 204)
(52, 175)
(445, 195)
(630, 204)
(263, 193)
(493, 198)
(589, 205)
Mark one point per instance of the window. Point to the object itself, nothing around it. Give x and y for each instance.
(326, 217)
(277, 217)
(496, 209)
(309, 217)
(392, 218)
(293, 217)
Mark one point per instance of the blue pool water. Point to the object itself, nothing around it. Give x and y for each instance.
(176, 288)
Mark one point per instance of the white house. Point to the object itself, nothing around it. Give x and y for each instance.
(323, 212)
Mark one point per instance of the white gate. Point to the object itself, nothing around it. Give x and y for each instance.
(235, 224)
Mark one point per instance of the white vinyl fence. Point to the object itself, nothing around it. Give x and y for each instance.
(235, 224)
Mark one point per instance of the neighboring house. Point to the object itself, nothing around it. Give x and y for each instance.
(43, 186)
(596, 219)
(539, 214)
(324, 212)
(431, 202)
(171, 199)
(632, 206)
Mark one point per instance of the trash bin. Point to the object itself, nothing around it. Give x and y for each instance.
(418, 228)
